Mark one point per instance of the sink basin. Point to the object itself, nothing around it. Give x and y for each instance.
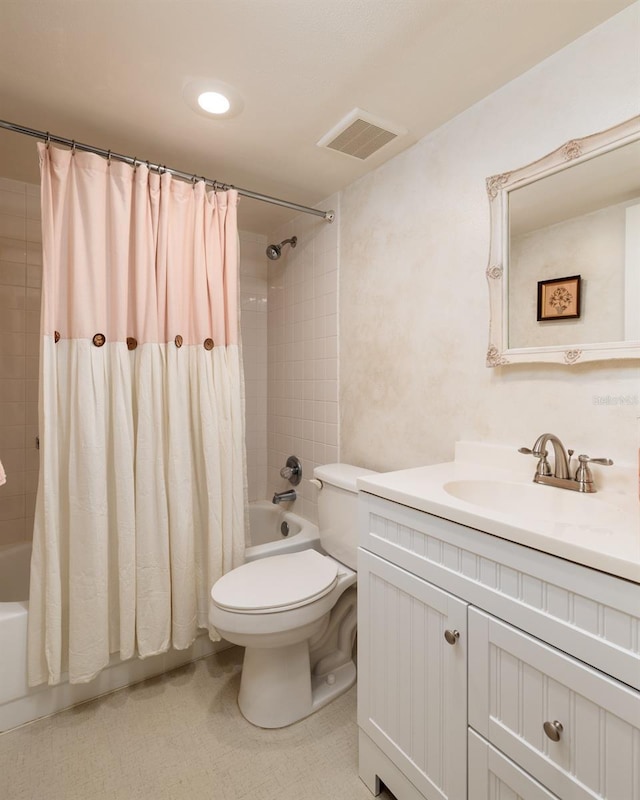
(534, 501)
(488, 489)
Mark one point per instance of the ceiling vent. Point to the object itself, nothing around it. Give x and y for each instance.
(360, 135)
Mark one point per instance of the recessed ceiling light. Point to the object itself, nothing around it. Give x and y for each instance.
(212, 98)
(214, 102)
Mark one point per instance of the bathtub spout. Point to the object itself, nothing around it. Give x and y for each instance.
(284, 497)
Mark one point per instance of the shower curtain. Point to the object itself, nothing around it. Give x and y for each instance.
(141, 498)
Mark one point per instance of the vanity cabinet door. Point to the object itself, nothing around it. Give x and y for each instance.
(412, 681)
(492, 776)
(576, 730)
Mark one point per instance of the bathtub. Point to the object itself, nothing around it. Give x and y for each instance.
(272, 531)
(19, 703)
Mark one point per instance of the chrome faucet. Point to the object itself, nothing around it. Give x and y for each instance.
(561, 459)
(583, 481)
(284, 497)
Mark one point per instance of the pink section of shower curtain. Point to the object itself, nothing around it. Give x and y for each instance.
(163, 265)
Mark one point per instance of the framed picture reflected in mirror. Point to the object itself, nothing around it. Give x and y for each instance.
(559, 298)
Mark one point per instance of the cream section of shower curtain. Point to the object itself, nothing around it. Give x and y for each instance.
(141, 497)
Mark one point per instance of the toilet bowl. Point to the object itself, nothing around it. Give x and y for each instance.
(295, 614)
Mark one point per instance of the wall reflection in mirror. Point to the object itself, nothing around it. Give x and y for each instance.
(580, 221)
(573, 214)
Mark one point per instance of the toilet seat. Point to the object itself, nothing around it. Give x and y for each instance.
(277, 583)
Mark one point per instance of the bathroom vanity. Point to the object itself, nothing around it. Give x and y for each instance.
(499, 644)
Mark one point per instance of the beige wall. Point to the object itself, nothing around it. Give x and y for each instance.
(413, 293)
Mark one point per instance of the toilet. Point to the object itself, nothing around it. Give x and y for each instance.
(295, 613)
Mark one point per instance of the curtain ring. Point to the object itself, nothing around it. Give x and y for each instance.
(73, 147)
(135, 164)
(48, 140)
(109, 157)
(193, 181)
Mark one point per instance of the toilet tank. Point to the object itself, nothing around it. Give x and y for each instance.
(338, 510)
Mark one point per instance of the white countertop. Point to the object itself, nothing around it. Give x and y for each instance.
(600, 530)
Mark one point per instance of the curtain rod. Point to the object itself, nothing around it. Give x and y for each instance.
(329, 216)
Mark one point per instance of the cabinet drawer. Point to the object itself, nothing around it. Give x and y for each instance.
(593, 616)
(411, 682)
(492, 776)
(517, 684)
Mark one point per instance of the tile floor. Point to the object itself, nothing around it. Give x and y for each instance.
(181, 736)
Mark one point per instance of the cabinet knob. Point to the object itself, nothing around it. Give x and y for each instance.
(451, 636)
(553, 730)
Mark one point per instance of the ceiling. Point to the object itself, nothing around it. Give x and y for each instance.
(110, 73)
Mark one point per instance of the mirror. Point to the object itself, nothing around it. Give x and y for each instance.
(564, 262)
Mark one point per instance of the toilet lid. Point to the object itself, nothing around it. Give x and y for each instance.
(276, 583)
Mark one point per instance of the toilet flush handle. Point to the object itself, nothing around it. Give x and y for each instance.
(317, 483)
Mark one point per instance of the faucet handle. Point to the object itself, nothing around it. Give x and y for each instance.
(536, 453)
(606, 462)
(583, 473)
(293, 471)
(543, 467)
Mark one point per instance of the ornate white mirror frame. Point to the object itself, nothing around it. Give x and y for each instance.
(497, 272)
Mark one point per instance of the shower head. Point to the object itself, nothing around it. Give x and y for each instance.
(274, 251)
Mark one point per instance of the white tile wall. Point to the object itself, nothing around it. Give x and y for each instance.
(20, 280)
(303, 415)
(253, 301)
